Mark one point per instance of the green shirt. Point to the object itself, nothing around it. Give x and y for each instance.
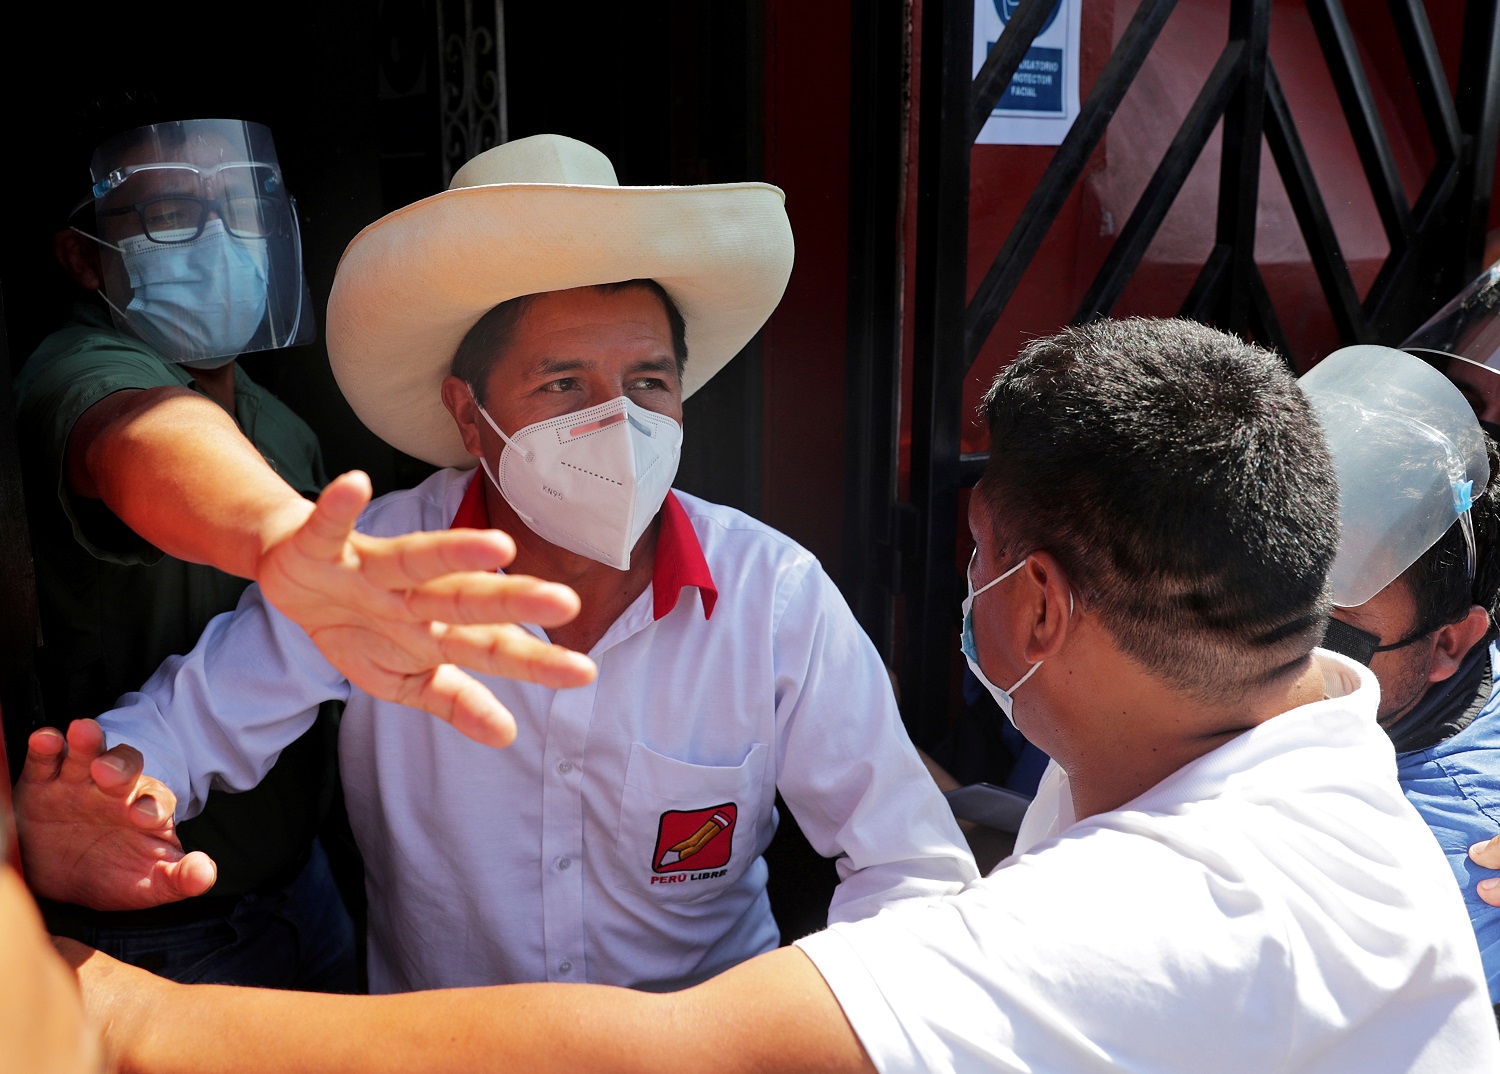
(113, 606)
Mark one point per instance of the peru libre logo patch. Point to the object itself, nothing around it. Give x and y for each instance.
(696, 841)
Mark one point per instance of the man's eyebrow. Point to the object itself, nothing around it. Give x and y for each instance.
(551, 367)
(546, 367)
(661, 363)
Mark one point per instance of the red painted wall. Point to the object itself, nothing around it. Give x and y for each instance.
(806, 136)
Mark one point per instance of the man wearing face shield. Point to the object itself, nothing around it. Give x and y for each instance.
(533, 331)
(1416, 582)
(160, 478)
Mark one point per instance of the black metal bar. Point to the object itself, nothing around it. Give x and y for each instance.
(1162, 188)
(1265, 325)
(1302, 191)
(939, 361)
(1062, 173)
(1342, 53)
(1413, 276)
(1239, 162)
(1428, 78)
(1202, 296)
(1479, 115)
(868, 561)
(1000, 65)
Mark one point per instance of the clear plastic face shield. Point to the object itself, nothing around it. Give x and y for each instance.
(1462, 341)
(1410, 457)
(199, 241)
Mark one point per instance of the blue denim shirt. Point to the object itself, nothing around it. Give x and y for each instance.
(1455, 785)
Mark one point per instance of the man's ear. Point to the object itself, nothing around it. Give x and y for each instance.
(460, 403)
(79, 257)
(1051, 600)
(1453, 642)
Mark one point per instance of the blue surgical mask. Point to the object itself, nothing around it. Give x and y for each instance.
(971, 654)
(200, 302)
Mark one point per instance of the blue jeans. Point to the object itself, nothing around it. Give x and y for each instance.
(300, 937)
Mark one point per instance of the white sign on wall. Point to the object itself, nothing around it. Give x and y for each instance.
(1041, 102)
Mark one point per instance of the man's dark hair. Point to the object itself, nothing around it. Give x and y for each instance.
(1439, 579)
(1181, 478)
(490, 337)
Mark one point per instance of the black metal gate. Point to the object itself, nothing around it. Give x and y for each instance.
(899, 561)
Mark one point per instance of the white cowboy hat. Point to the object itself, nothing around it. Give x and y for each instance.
(544, 213)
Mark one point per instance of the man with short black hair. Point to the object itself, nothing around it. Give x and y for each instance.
(1244, 888)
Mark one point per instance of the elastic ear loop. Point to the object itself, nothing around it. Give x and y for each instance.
(1033, 669)
(498, 431)
(103, 242)
(484, 462)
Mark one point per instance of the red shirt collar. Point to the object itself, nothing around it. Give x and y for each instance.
(679, 556)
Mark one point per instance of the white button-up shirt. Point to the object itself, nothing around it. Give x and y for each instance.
(619, 839)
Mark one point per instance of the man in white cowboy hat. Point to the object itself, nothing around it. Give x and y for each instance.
(543, 322)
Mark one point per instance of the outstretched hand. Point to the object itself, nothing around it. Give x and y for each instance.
(396, 615)
(94, 831)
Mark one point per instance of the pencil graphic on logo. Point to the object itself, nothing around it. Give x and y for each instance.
(710, 829)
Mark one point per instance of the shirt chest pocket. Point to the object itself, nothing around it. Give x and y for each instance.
(688, 831)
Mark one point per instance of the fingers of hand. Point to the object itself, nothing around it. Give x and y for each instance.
(326, 531)
(515, 653)
(1486, 853)
(118, 771)
(152, 809)
(457, 697)
(491, 598)
(44, 756)
(399, 563)
(194, 874)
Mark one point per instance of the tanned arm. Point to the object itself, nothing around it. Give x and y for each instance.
(772, 1014)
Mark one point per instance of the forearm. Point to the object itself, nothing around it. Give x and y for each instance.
(178, 471)
(773, 1014)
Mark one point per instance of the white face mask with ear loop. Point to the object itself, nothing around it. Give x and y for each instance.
(1003, 698)
(590, 481)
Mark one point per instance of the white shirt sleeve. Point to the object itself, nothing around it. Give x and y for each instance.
(846, 767)
(219, 716)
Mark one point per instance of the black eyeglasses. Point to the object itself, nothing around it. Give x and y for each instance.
(182, 218)
(251, 203)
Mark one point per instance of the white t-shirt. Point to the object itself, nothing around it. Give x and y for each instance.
(554, 859)
(1274, 906)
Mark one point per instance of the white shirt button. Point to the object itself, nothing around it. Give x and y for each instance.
(564, 863)
(565, 767)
